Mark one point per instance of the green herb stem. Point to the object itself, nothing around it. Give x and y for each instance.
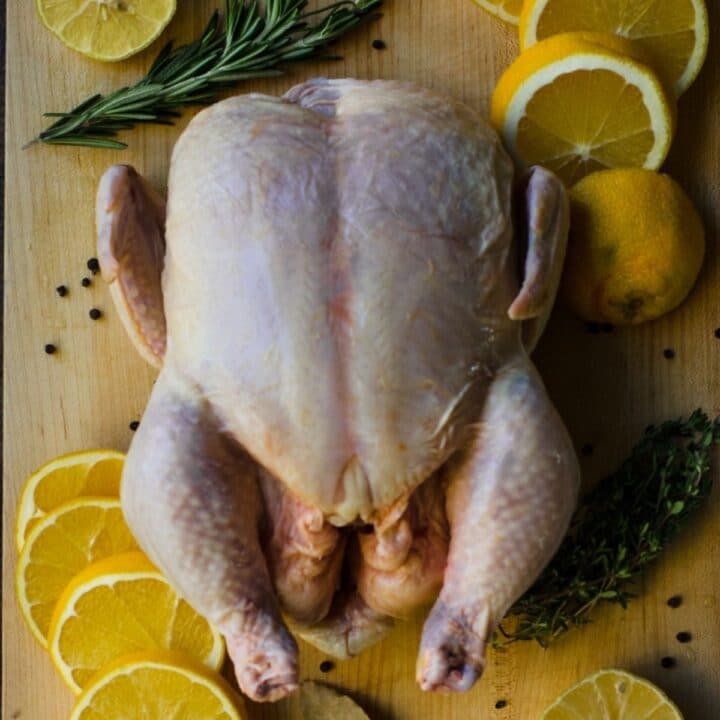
(618, 530)
(246, 43)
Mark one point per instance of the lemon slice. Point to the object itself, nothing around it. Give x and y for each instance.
(673, 32)
(62, 544)
(90, 472)
(507, 10)
(160, 685)
(575, 103)
(612, 695)
(106, 29)
(119, 606)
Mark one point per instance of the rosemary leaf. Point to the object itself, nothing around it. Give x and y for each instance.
(619, 528)
(245, 43)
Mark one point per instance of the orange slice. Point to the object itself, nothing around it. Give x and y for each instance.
(119, 606)
(612, 695)
(63, 543)
(577, 102)
(158, 685)
(674, 33)
(89, 472)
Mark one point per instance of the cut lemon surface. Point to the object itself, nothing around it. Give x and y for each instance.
(673, 32)
(581, 102)
(90, 472)
(158, 685)
(119, 606)
(507, 10)
(106, 29)
(63, 543)
(613, 695)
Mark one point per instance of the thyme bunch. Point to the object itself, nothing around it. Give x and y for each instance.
(619, 528)
(246, 43)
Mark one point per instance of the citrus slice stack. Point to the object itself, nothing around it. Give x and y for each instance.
(90, 472)
(106, 29)
(61, 545)
(580, 102)
(122, 605)
(157, 685)
(674, 33)
(507, 10)
(612, 695)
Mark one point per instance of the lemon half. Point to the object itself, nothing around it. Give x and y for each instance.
(106, 29)
(612, 695)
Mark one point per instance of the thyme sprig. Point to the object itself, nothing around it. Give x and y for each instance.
(246, 43)
(619, 528)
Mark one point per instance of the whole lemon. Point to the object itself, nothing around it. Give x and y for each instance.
(635, 249)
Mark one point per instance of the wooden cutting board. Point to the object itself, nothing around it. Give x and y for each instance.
(608, 386)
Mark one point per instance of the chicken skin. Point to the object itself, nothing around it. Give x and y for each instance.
(346, 425)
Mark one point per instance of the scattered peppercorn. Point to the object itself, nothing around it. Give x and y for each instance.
(50, 348)
(668, 662)
(86, 282)
(607, 327)
(717, 333)
(675, 601)
(95, 314)
(593, 328)
(326, 666)
(379, 44)
(587, 449)
(134, 425)
(668, 353)
(61, 290)
(684, 637)
(93, 266)
(500, 704)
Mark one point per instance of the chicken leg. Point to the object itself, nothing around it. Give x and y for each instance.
(509, 502)
(191, 497)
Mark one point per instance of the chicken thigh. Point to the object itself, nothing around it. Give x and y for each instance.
(347, 425)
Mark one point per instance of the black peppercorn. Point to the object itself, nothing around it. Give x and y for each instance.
(50, 348)
(61, 290)
(684, 637)
(717, 333)
(675, 601)
(93, 266)
(668, 662)
(379, 44)
(668, 353)
(500, 704)
(134, 425)
(326, 666)
(95, 314)
(86, 282)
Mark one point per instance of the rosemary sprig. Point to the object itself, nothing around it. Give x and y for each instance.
(619, 528)
(247, 43)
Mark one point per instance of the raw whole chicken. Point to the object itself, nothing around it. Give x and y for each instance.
(346, 425)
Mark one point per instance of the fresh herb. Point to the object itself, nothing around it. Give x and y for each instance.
(619, 528)
(246, 43)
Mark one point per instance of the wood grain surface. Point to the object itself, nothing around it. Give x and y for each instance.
(607, 386)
